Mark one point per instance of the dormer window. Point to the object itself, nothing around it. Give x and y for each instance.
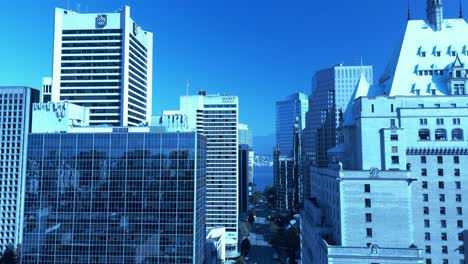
(423, 54)
(453, 53)
(433, 91)
(438, 53)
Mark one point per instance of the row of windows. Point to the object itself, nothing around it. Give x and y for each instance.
(65, 58)
(441, 134)
(89, 84)
(441, 185)
(90, 51)
(444, 250)
(92, 64)
(93, 77)
(440, 159)
(440, 172)
(430, 72)
(440, 121)
(90, 31)
(78, 38)
(458, 199)
(97, 44)
(91, 71)
(438, 53)
(90, 97)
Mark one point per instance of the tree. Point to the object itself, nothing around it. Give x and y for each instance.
(245, 247)
(240, 260)
(269, 194)
(251, 217)
(244, 229)
(9, 256)
(256, 197)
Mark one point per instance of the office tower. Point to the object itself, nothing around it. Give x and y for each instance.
(283, 170)
(46, 95)
(245, 138)
(103, 61)
(289, 113)
(243, 178)
(290, 118)
(216, 117)
(411, 127)
(332, 89)
(245, 135)
(15, 123)
(286, 176)
(124, 196)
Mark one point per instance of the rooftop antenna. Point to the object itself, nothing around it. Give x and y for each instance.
(461, 9)
(409, 10)
(187, 85)
(362, 67)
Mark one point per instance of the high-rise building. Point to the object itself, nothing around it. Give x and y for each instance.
(245, 138)
(332, 89)
(290, 113)
(124, 196)
(286, 176)
(245, 135)
(216, 117)
(290, 120)
(244, 178)
(396, 177)
(283, 180)
(46, 95)
(15, 124)
(103, 61)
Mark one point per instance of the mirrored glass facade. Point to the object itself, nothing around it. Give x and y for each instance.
(115, 198)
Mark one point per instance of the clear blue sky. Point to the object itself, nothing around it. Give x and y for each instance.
(260, 50)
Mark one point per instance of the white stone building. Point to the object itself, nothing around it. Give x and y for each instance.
(397, 177)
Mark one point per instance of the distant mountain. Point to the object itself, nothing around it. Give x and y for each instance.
(263, 145)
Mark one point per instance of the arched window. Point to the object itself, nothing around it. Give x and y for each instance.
(424, 134)
(440, 134)
(457, 134)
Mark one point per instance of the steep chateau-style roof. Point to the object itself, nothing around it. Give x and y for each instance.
(424, 59)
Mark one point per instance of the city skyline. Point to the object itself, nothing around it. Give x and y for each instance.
(220, 57)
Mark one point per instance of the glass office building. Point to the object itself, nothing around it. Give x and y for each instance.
(118, 197)
(289, 113)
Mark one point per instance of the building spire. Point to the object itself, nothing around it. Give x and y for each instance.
(435, 13)
(461, 9)
(409, 10)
